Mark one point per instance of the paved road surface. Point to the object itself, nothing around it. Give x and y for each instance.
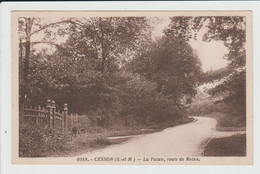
(183, 140)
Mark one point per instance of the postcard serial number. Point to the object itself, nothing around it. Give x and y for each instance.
(95, 159)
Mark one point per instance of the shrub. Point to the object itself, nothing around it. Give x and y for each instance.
(35, 141)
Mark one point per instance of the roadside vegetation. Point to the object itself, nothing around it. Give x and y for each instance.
(228, 146)
(204, 106)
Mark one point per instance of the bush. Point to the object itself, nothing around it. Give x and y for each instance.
(35, 141)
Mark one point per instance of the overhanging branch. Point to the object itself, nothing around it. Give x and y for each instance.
(57, 23)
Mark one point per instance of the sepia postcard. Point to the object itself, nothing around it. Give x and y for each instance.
(132, 87)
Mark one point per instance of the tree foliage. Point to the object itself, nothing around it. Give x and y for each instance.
(106, 39)
(173, 65)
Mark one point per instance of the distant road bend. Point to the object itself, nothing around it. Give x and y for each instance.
(183, 140)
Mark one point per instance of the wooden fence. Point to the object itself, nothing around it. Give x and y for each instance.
(49, 117)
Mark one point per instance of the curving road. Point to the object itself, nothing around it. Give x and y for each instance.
(183, 140)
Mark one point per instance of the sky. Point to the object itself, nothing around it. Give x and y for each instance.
(210, 53)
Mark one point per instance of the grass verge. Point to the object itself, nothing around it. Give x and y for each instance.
(228, 146)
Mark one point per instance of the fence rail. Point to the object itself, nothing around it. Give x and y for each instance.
(49, 117)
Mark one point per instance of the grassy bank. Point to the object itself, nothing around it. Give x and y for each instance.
(228, 146)
(43, 142)
(229, 123)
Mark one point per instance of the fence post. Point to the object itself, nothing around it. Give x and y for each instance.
(39, 115)
(65, 117)
(71, 121)
(63, 122)
(49, 113)
(53, 113)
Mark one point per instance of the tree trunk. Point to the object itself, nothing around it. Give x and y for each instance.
(102, 64)
(25, 67)
(21, 84)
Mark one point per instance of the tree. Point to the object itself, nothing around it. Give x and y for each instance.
(232, 86)
(172, 64)
(107, 39)
(27, 28)
(180, 27)
(79, 68)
